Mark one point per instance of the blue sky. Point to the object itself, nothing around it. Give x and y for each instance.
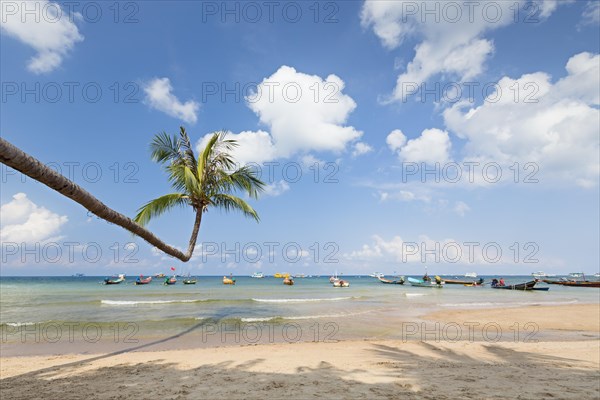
(534, 74)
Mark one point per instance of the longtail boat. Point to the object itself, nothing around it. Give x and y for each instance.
(341, 283)
(438, 283)
(228, 281)
(170, 281)
(114, 280)
(288, 281)
(519, 286)
(459, 282)
(399, 281)
(143, 281)
(581, 284)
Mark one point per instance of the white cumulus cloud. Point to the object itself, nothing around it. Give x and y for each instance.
(553, 126)
(450, 33)
(44, 26)
(159, 95)
(302, 113)
(432, 146)
(24, 221)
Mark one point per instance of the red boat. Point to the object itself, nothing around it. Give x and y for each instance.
(143, 281)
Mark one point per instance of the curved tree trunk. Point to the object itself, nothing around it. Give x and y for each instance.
(19, 160)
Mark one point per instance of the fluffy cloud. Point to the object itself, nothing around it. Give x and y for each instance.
(160, 97)
(24, 221)
(276, 188)
(44, 26)
(554, 126)
(451, 36)
(303, 113)
(432, 146)
(361, 148)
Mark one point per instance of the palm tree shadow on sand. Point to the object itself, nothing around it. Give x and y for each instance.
(416, 370)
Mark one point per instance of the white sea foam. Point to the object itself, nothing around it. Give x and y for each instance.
(414, 294)
(144, 302)
(302, 300)
(302, 317)
(508, 304)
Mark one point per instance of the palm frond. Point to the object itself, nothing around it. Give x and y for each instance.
(158, 206)
(164, 147)
(229, 202)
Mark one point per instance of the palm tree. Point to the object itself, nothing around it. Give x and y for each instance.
(207, 181)
(215, 164)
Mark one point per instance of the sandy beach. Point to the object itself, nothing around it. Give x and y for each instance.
(435, 368)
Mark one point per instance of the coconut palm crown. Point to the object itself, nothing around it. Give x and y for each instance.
(209, 180)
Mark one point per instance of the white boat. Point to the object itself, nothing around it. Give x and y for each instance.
(340, 283)
(257, 275)
(376, 275)
(596, 275)
(576, 275)
(542, 274)
(471, 275)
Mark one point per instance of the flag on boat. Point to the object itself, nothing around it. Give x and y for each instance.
(172, 268)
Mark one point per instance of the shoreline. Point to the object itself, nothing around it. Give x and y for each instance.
(564, 361)
(573, 322)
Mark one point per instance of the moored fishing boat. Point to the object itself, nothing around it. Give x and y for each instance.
(190, 281)
(341, 283)
(228, 281)
(519, 286)
(461, 282)
(288, 281)
(114, 280)
(437, 283)
(171, 281)
(399, 281)
(581, 284)
(143, 281)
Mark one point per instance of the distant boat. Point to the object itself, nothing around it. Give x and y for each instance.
(576, 275)
(437, 283)
(78, 275)
(114, 280)
(143, 281)
(161, 275)
(228, 281)
(300, 276)
(471, 275)
(542, 274)
(399, 281)
(258, 275)
(596, 275)
(376, 275)
(281, 275)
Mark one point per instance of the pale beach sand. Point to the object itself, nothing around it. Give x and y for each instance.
(389, 369)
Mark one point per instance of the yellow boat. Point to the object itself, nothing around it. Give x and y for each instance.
(228, 281)
(279, 275)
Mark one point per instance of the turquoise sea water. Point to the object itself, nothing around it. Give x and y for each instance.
(28, 300)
